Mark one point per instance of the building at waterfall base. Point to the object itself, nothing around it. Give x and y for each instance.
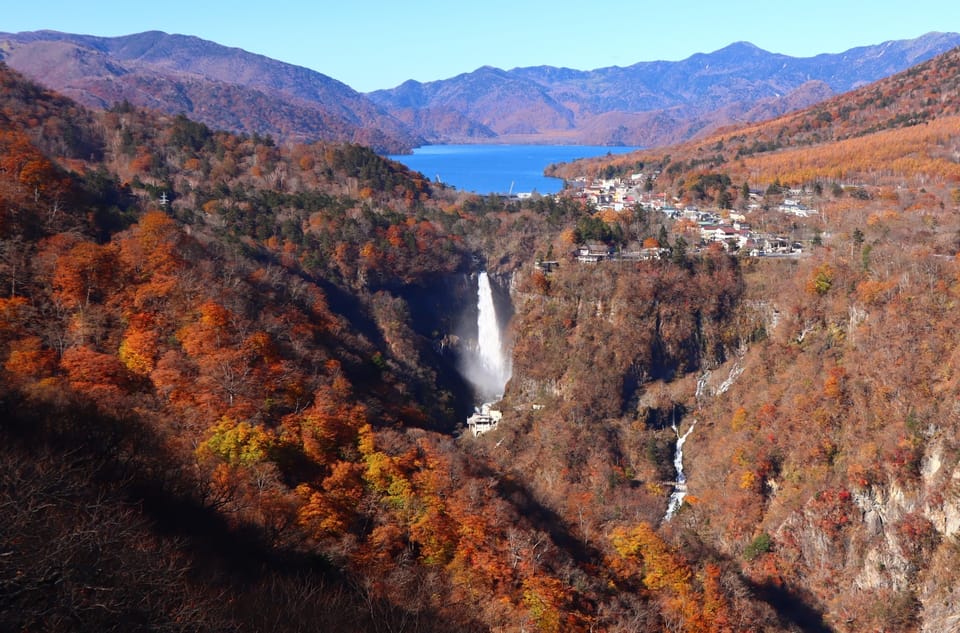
(486, 419)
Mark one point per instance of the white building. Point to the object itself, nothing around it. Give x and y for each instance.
(486, 419)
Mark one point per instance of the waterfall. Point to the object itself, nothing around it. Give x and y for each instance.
(489, 344)
(489, 368)
(703, 392)
(680, 486)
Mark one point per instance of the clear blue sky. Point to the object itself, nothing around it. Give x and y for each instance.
(371, 44)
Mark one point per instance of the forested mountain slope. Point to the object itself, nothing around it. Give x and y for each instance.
(647, 104)
(900, 130)
(828, 464)
(225, 88)
(242, 357)
(218, 412)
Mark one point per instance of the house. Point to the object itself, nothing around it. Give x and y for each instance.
(486, 419)
(592, 252)
(715, 232)
(725, 234)
(761, 245)
(794, 207)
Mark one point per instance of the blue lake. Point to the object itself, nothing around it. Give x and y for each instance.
(498, 168)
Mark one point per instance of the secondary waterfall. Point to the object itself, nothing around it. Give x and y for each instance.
(489, 368)
(680, 486)
(703, 392)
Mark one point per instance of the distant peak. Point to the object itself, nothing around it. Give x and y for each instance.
(740, 46)
(734, 51)
(144, 35)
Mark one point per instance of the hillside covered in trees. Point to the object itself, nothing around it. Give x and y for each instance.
(822, 455)
(223, 87)
(230, 398)
(220, 414)
(646, 104)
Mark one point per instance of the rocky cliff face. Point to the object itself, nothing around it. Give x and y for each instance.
(828, 471)
(890, 544)
(594, 335)
(434, 326)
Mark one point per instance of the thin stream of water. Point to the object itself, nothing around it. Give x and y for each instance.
(680, 486)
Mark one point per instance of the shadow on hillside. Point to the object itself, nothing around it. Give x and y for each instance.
(109, 535)
(544, 519)
(444, 365)
(790, 607)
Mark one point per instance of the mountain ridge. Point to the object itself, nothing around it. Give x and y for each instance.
(224, 87)
(649, 103)
(803, 142)
(691, 91)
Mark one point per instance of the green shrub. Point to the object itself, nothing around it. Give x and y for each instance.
(760, 545)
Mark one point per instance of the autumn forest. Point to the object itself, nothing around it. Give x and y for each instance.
(230, 398)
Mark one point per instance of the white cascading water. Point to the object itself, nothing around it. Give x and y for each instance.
(491, 369)
(680, 486)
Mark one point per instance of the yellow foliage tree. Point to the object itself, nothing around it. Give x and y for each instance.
(237, 443)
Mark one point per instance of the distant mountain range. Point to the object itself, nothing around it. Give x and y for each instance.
(649, 103)
(225, 88)
(902, 130)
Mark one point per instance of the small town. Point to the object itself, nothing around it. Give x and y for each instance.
(729, 228)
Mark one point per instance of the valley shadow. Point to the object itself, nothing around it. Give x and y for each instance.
(233, 574)
(426, 319)
(790, 607)
(659, 418)
(543, 518)
(793, 610)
